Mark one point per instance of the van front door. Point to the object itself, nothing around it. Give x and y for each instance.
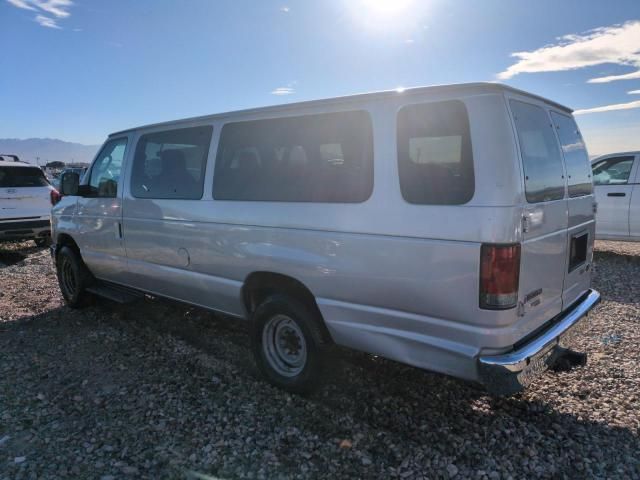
(99, 214)
(167, 241)
(580, 203)
(613, 194)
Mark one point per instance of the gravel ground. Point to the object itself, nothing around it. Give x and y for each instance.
(159, 390)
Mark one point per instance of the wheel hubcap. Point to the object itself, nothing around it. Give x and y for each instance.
(284, 345)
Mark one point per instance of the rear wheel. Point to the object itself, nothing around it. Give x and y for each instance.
(73, 277)
(287, 343)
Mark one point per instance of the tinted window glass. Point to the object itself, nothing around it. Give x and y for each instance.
(540, 153)
(171, 164)
(576, 159)
(435, 160)
(612, 171)
(105, 172)
(312, 158)
(14, 177)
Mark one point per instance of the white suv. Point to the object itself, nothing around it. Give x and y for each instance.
(25, 202)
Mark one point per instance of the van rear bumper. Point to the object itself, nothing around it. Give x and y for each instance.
(511, 372)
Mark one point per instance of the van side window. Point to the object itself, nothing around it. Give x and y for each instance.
(105, 171)
(313, 158)
(612, 171)
(435, 160)
(576, 159)
(542, 163)
(171, 164)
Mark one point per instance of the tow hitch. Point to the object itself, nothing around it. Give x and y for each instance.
(566, 359)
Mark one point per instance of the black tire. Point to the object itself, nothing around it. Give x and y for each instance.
(308, 375)
(73, 277)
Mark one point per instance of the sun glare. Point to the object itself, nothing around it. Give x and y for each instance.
(386, 7)
(383, 14)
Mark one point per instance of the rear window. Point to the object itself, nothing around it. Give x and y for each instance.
(15, 177)
(575, 154)
(435, 160)
(171, 164)
(542, 163)
(312, 158)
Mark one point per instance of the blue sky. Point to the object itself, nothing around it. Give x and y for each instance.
(80, 69)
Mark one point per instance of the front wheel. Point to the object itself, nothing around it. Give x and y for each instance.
(288, 344)
(73, 277)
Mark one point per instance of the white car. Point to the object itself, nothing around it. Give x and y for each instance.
(25, 202)
(616, 178)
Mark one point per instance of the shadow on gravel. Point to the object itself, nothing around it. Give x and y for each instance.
(14, 252)
(112, 370)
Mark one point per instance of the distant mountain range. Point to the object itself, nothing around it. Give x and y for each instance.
(48, 150)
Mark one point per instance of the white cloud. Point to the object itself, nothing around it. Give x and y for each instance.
(21, 4)
(616, 44)
(609, 108)
(634, 92)
(611, 78)
(283, 91)
(285, 9)
(46, 21)
(46, 9)
(55, 7)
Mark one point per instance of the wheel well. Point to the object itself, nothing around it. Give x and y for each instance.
(65, 240)
(259, 285)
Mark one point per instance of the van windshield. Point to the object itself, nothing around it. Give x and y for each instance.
(15, 177)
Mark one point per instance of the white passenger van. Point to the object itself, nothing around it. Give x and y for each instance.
(450, 228)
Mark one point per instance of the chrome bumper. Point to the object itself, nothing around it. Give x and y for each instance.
(511, 372)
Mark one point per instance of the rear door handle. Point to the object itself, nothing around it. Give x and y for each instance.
(616, 194)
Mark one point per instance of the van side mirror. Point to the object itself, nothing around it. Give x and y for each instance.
(69, 183)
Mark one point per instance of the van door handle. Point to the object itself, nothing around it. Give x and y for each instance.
(616, 194)
(119, 231)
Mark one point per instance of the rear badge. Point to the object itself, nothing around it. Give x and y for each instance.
(531, 295)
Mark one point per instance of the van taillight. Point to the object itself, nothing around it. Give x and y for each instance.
(55, 197)
(499, 276)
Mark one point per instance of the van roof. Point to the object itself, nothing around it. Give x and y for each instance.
(477, 87)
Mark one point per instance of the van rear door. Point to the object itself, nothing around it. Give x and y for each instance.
(544, 215)
(580, 203)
